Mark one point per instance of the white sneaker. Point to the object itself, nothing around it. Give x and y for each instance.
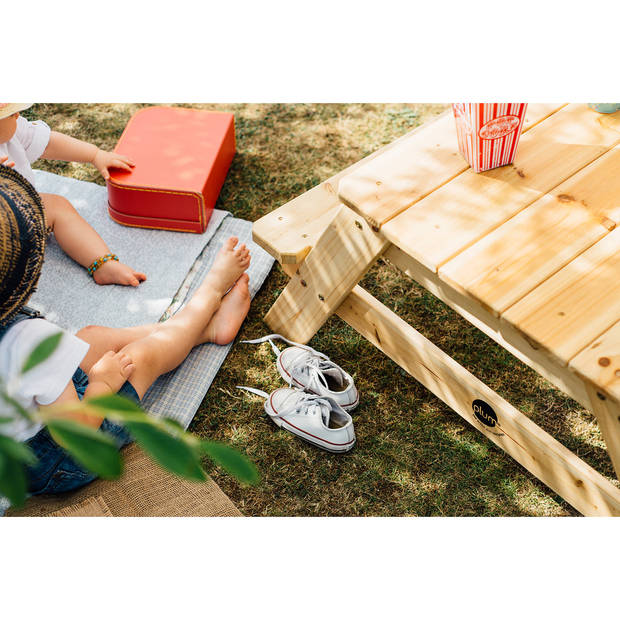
(313, 372)
(317, 420)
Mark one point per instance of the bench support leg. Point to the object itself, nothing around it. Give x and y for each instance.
(341, 257)
(607, 413)
(546, 458)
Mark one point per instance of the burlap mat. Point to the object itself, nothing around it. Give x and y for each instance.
(143, 490)
(90, 507)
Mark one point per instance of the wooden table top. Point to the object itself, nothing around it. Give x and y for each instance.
(534, 242)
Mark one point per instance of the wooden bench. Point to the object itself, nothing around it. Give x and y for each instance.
(528, 253)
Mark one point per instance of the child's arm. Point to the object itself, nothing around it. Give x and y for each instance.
(106, 376)
(66, 148)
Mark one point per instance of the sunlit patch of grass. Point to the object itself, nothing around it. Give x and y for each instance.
(414, 455)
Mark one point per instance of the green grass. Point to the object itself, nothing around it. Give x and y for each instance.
(414, 456)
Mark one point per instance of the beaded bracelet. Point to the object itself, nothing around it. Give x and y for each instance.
(100, 261)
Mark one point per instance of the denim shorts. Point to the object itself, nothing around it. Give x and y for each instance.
(55, 470)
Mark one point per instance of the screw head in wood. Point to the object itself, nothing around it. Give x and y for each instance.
(321, 297)
(303, 283)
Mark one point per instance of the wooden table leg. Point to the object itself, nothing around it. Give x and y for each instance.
(341, 257)
(607, 413)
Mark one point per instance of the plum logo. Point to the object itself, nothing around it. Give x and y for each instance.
(484, 413)
(499, 127)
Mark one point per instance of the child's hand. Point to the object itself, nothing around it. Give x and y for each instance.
(4, 162)
(113, 369)
(104, 160)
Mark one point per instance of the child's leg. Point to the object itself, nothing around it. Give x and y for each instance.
(221, 329)
(82, 243)
(159, 348)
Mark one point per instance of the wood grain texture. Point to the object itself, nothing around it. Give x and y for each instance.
(386, 186)
(489, 324)
(508, 263)
(289, 232)
(463, 211)
(574, 306)
(599, 363)
(561, 470)
(342, 255)
(607, 413)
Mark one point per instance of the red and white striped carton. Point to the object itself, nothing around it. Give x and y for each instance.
(488, 133)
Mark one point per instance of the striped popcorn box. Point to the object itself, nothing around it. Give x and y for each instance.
(488, 133)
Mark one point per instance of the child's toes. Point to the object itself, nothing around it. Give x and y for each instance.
(141, 277)
(230, 243)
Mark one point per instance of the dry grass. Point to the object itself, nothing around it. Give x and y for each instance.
(414, 456)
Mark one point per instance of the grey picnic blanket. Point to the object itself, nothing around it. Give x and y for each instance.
(175, 263)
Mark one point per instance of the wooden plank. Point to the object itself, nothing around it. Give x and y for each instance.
(488, 323)
(289, 232)
(388, 185)
(607, 413)
(508, 263)
(537, 451)
(599, 363)
(338, 261)
(574, 306)
(457, 215)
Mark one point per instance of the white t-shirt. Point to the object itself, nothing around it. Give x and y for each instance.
(44, 383)
(26, 146)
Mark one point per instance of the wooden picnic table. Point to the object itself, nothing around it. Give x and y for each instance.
(528, 253)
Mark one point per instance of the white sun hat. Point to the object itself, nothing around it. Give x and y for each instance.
(315, 419)
(6, 109)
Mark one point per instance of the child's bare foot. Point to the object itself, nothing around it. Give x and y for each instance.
(225, 324)
(230, 263)
(114, 272)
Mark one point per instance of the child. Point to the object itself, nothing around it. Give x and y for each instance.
(22, 143)
(98, 360)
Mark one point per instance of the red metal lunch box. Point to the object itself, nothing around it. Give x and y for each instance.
(182, 157)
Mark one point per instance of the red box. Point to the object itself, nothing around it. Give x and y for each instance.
(182, 157)
(488, 133)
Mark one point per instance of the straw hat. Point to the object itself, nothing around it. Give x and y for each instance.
(22, 241)
(6, 109)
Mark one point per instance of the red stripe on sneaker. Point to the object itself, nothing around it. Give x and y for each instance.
(301, 430)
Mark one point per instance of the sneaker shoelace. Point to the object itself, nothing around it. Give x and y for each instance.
(316, 363)
(307, 404)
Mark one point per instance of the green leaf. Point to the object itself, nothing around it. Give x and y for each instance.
(42, 351)
(114, 402)
(231, 460)
(93, 449)
(172, 453)
(17, 450)
(12, 480)
(16, 406)
(117, 408)
(4, 420)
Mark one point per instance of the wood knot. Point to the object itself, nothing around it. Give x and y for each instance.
(358, 224)
(303, 283)
(604, 361)
(601, 396)
(520, 172)
(579, 483)
(566, 198)
(321, 297)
